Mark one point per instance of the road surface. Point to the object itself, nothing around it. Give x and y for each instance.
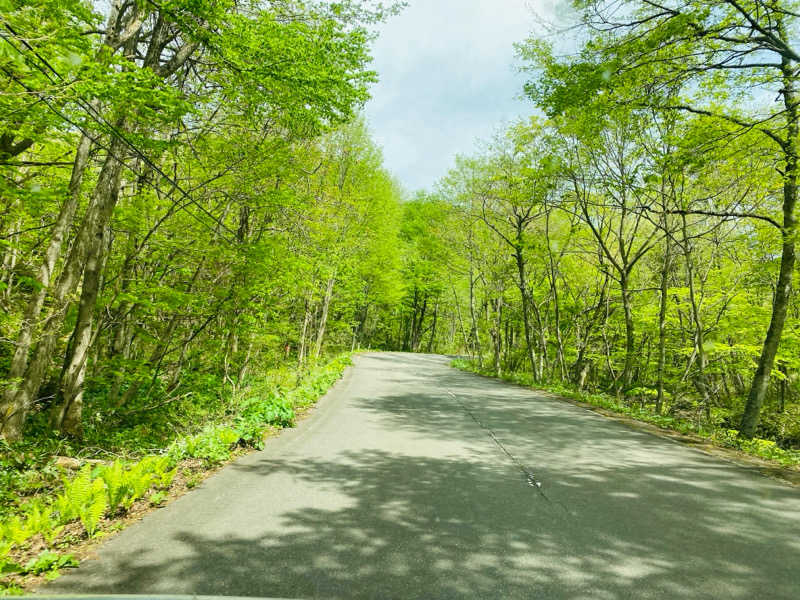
(414, 480)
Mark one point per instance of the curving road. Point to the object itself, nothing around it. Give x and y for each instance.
(414, 480)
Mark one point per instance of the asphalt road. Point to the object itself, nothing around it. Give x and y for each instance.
(414, 480)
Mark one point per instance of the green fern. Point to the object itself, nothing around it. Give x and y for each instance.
(83, 498)
(139, 479)
(91, 512)
(16, 531)
(154, 464)
(117, 487)
(141, 482)
(51, 534)
(37, 516)
(77, 494)
(164, 471)
(164, 464)
(166, 478)
(63, 508)
(40, 519)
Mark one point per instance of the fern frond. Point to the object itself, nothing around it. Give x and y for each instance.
(166, 478)
(16, 531)
(92, 512)
(116, 485)
(51, 534)
(79, 491)
(63, 508)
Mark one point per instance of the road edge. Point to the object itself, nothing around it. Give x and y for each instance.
(783, 474)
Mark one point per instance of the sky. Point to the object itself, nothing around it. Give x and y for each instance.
(448, 78)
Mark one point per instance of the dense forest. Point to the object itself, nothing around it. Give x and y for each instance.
(197, 228)
(188, 195)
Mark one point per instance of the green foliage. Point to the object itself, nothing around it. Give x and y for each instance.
(767, 449)
(42, 519)
(192, 481)
(25, 468)
(316, 383)
(117, 485)
(49, 561)
(156, 498)
(78, 494)
(198, 293)
(11, 590)
(213, 444)
(6, 564)
(126, 484)
(138, 479)
(166, 476)
(15, 530)
(258, 413)
(93, 510)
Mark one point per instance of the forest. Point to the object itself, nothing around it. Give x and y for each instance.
(186, 195)
(197, 229)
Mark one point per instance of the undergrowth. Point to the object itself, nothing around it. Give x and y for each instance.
(43, 505)
(719, 436)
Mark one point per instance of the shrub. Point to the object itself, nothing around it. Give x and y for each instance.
(213, 444)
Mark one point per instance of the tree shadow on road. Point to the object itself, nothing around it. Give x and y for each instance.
(614, 522)
(418, 527)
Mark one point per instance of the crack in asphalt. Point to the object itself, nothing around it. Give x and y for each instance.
(530, 476)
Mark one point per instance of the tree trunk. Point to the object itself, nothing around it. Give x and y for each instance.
(243, 368)
(497, 335)
(457, 305)
(301, 352)
(14, 406)
(542, 367)
(526, 321)
(433, 328)
(409, 328)
(783, 290)
(662, 324)
(782, 391)
(630, 337)
(324, 317)
(473, 332)
(701, 382)
(416, 331)
(67, 416)
(562, 365)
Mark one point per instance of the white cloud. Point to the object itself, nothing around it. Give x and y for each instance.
(447, 78)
